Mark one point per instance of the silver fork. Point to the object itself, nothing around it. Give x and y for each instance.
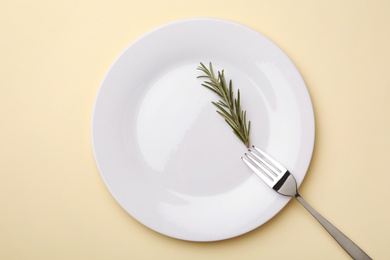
(280, 179)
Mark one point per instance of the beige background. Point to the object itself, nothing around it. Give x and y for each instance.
(53, 54)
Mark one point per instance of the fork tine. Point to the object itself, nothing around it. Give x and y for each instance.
(275, 164)
(258, 169)
(262, 162)
(267, 168)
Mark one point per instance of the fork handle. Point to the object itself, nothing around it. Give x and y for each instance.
(350, 247)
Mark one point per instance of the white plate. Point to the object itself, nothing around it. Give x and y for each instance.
(168, 159)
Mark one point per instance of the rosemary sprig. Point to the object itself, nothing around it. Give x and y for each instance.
(229, 107)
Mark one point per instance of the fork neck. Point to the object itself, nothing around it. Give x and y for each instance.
(286, 186)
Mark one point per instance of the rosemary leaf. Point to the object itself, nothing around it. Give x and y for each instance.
(222, 104)
(227, 118)
(212, 89)
(221, 109)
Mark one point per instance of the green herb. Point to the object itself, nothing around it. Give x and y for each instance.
(229, 107)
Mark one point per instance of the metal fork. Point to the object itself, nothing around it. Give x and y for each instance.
(280, 179)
